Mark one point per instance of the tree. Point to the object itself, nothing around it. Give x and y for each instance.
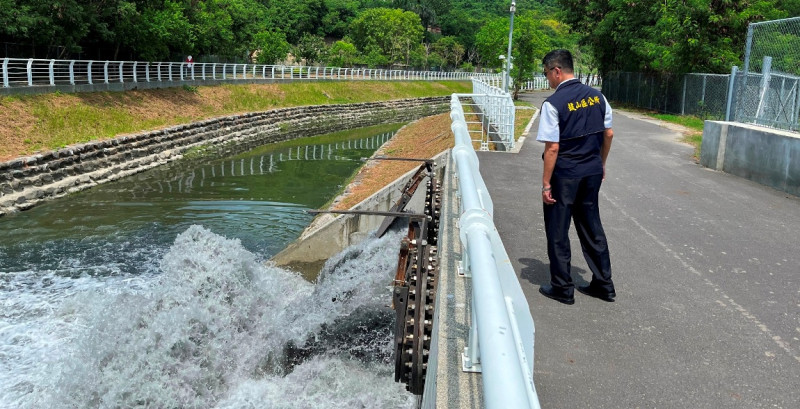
(450, 50)
(311, 48)
(272, 45)
(529, 45)
(666, 36)
(391, 33)
(342, 54)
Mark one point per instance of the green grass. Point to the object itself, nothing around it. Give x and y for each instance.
(685, 120)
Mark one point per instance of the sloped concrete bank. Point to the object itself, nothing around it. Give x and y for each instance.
(329, 234)
(28, 181)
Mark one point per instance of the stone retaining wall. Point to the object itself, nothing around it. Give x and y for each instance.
(28, 181)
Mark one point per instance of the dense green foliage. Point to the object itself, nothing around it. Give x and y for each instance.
(604, 35)
(421, 34)
(670, 35)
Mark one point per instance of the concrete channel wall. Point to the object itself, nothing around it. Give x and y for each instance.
(767, 156)
(329, 234)
(28, 181)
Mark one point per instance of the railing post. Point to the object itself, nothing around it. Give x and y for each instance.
(50, 72)
(683, 98)
(5, 73)
(225, 71)
(89, 72)
(731, 89)
(72, 72)
(105, 73)
(30, 72)
(203, 71)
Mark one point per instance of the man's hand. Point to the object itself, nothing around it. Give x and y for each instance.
(547, 195)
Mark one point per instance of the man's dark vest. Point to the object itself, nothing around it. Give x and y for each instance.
(581, 115)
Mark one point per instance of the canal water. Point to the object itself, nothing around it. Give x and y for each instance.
(154, 291)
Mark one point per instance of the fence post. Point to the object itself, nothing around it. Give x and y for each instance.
(5, 72)
(225, 71)
(30, 72)
(683, 98)
(731, 88)
(72, 72)
(105, 73)
(169, 72)
(121, 63)
(135, 63)
(147, 72)
(50, 72)
(765, 79)
(89, 72)
(748, 47)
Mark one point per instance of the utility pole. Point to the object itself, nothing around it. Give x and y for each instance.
(510, 34)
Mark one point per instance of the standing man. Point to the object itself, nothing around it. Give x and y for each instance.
(575, 126)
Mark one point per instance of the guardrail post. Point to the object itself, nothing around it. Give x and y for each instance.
(135, 63)
(30, 72)
(147, 72)
(5, 72)
(731, 89)
(89, 72)
(72, 72)
(203, 71)
(51, 74)
(225, 71)
(121, 72)
(105, 73)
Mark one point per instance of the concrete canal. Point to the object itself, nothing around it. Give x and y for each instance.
(152, 291)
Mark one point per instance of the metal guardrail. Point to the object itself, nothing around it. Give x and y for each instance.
(49, 73)
(498, 109)
(501, 338)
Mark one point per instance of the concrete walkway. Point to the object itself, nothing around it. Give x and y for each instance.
(707, 269)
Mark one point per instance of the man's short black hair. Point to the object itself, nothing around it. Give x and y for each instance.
(559, 58)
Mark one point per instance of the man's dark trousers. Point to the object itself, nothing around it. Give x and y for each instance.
(576, 199)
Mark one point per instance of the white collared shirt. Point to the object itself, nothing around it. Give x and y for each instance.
(548, 120)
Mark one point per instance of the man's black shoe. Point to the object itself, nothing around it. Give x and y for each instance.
(599, 294)
(548, 292)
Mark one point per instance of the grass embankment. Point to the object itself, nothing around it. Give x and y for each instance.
(50, 121)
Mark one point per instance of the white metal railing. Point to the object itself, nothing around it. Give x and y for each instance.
(497, 107)
(32, 72)
(538, 82)
(501, 338)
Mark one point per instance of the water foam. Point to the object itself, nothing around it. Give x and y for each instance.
(217, 328)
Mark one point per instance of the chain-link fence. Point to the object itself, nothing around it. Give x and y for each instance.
(767, 88)
(702, 95)
(766, 92)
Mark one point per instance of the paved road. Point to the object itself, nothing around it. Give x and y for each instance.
(707, 269)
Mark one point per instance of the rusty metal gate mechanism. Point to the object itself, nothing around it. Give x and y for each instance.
(414, 284)
(414, 292)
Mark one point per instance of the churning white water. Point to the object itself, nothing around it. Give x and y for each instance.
(213, 327)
